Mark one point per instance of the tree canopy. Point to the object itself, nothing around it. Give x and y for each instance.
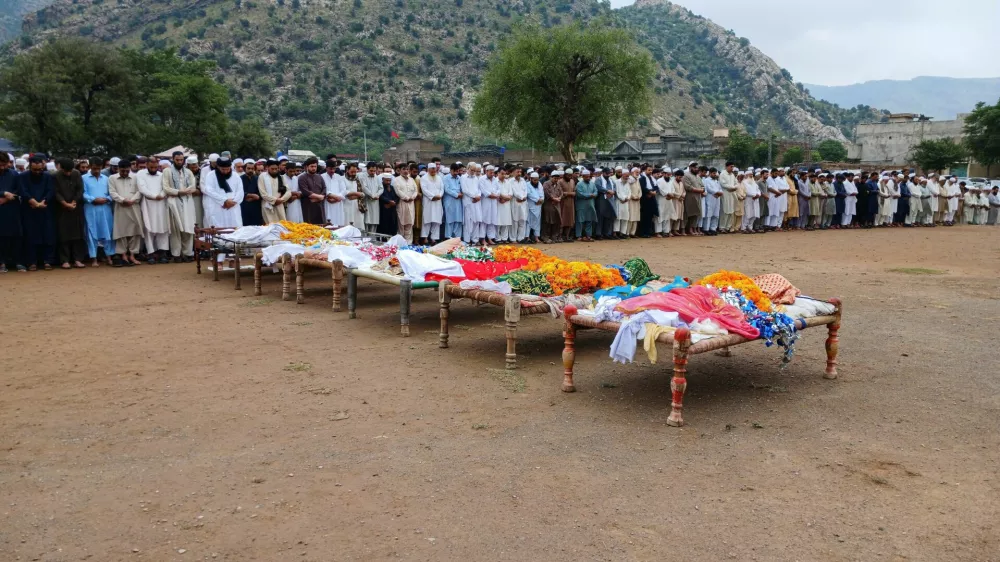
(832, 151)
(794, 155)
(76, 96)
(936, 155)
(740, 148)
(982, 134)
(573, 84)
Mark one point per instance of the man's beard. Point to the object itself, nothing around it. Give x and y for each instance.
(352, 176)
(274, 175)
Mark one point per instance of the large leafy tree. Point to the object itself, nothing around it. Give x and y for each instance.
(740, 148)
(982, 134)
(832, 151)
(794, 155)
(573, 84)
(936, 155)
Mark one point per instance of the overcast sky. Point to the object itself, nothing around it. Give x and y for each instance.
(837, 43)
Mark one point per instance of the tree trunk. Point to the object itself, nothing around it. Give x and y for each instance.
(567, 151)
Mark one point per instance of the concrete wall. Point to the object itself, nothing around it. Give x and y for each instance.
(889, 144)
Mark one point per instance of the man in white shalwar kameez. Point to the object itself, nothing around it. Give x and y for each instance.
(623, 197)
(336, 195)
(519, 207)
(850, 202)
(774, 185)
(953, 192)
(353, 193)
(664, 204)
(179, 186)
(473, 229)
(934, 188)
(155, 213)
(490, 188)
(505, 213)
(751, 204)
(371, 185)
(223, 192)
(432, 189)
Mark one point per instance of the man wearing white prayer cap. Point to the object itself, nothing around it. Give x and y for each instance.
(728, 203)
(694, 190)
(238, 166)
(20, 165)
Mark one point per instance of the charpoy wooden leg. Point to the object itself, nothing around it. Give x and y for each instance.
(300, 296)
(682, 341)
(215, 264)
(197, 254)
(286, 277)
(833, 343)
(511, 316)
(569, 356)
(724, 352)
(258, 263)
(338, 282)
(236, 269)
(444, 298)
(352, 295)
(405, 298)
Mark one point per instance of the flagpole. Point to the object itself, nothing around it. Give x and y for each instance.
(366, 146)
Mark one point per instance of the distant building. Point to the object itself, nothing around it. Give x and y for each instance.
(415, 149)
(666, 147)
(891, 144)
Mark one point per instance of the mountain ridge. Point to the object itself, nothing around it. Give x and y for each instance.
(345, 67)
(940, 97)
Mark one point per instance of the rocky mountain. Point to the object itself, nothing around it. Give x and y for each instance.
(934, 96)
(326, 72)
(11, 12)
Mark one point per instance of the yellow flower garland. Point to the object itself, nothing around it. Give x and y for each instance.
(304, 233)
(564, 276)
(723, 279)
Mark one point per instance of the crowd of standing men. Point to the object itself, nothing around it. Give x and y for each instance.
(125, 212)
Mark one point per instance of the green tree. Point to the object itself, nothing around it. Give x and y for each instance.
(249, 138)
(794, 155)
(832, 151)
(577, 84)
(740, 148)
(982, 134)
(761, 155)
(936, 155)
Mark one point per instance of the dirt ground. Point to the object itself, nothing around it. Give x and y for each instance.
(151, 414)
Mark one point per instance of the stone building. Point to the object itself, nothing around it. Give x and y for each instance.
(891, 144)
(667, 147)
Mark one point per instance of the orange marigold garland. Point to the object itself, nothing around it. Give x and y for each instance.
(723, 279)
(304, 233)
(564, 276)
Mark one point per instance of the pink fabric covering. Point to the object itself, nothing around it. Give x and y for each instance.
(480, 271)
(694, 303)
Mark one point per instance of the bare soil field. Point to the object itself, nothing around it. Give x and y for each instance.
(151, 414)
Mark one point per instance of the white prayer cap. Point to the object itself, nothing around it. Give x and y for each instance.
(50, 166)
(666, 169)
(298, 164)
(281, 158)
(213, 157)
(164, 162)
(818, 170)
(634, 170)
(362, 166)
(531, 170)
(692, 163)
(20, 162)
(472, 164)
(619, 168)
(556, 173)
(321, 164)
(912, 175)
(238, 161)
(115, 161)
(931, 175)
(459, 162)
(899, 176)
(192, 160)
(432, 166)
(490, 168)
(342, 167)
(533, 175)
(585, 172)
(385, 176)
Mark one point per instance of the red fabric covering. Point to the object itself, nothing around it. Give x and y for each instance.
(694, 303)
(480, 271)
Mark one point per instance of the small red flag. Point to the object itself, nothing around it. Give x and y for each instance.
(394, 134)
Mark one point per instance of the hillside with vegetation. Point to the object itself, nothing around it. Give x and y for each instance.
(325, 73)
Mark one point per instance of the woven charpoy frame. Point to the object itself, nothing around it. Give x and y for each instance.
(680, 340)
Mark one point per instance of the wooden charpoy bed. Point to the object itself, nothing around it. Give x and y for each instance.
(406, 288)
(512, 312)
(680, 340)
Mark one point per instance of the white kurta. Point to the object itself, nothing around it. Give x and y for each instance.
(215, 197)
(851, 203)
(487, 187)
(519, 208)
(155, 214)
(505, 215)
(954, 192)
(352, 215)
(622, 196)
(335, 185)
(728, 183)
(751, 206)
(774, 200)
(372, 188)
(432, 186)
(293, 209)
(473, 212)
(664, 206)
(935, 191)
(273, 202)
